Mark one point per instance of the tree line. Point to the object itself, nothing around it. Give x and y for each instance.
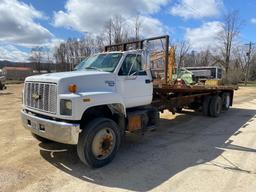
(238, 61)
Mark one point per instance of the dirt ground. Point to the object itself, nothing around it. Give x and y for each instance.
(188, 152)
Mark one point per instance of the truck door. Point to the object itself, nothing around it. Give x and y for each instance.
(135, 84)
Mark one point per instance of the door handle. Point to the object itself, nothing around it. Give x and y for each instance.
(147, 81)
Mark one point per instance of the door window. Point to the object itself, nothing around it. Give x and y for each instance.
(132, 65)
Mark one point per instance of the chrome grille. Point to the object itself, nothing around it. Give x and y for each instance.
(41, 96)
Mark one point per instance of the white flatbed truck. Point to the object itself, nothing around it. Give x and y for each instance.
(110, 93)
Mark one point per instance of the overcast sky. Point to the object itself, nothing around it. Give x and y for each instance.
(28, 23)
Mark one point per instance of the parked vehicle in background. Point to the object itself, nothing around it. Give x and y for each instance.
(2, 80)
(204, 73)
(17, 73)
(111, 93)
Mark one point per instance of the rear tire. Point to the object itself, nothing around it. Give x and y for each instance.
(41, 139)
(99, 142)
(215, 106)
(179, 109)
(206, 106)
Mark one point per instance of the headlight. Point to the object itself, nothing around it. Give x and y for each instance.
(65, 107)
(68, 105)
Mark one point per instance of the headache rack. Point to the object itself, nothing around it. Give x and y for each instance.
(165, 85)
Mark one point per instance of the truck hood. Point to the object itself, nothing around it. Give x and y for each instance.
(56, 77)
(86, 81)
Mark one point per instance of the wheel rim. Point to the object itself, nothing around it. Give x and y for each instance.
(227, 101)
(218, 108)
(103, 143)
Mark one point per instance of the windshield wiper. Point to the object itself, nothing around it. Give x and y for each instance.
(97, 69)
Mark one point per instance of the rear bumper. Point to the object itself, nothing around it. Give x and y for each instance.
(62, 132)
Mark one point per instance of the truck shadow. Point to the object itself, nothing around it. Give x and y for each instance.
(145, 162)
(5, 93)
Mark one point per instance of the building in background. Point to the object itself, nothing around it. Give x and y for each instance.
(17, 73)
(2, 80)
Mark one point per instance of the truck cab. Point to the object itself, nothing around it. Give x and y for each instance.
(130, 80)
(105, 96)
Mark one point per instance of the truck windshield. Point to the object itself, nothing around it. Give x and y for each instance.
(101, 62)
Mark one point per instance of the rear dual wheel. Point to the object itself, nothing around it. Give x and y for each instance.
(226, 99)
(206, 105)
(215, 106)
(212, 106)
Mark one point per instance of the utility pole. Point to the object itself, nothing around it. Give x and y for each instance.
(248, 54)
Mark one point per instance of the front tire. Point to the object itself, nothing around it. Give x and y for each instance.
(99, 142)
(1, 86)
(179, 109)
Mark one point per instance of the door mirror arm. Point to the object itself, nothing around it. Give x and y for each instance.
(131, 77)
(133, 74)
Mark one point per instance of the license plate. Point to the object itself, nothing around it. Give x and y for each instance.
(34, 125)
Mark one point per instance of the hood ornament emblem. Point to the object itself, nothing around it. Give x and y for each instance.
(35, 96)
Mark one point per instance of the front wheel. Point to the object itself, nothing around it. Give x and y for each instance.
(99, 142)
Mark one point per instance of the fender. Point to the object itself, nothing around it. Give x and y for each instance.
(91, 99)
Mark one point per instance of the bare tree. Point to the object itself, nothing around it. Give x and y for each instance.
(181, 51)
(249, 56)
(60, 55)
(229, 33)
(205, 58)
(99, 42)
(37, 57)
(253, 68)
(71, 52)
(108, 28)
(120, 34)
(49, 61)
(202, 58)
(115, 30)
(239, 58)
(137, 27)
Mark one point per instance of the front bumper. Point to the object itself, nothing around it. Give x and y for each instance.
(62, 132)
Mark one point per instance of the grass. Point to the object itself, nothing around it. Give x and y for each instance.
(249, 84)
(13, 82)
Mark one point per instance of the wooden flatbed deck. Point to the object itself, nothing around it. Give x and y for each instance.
(193, 88)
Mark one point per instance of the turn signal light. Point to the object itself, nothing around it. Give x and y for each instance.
(72, 88)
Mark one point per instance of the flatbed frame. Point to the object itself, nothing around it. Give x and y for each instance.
(175, 94)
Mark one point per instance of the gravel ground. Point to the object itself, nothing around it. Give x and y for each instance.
(188, 152)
